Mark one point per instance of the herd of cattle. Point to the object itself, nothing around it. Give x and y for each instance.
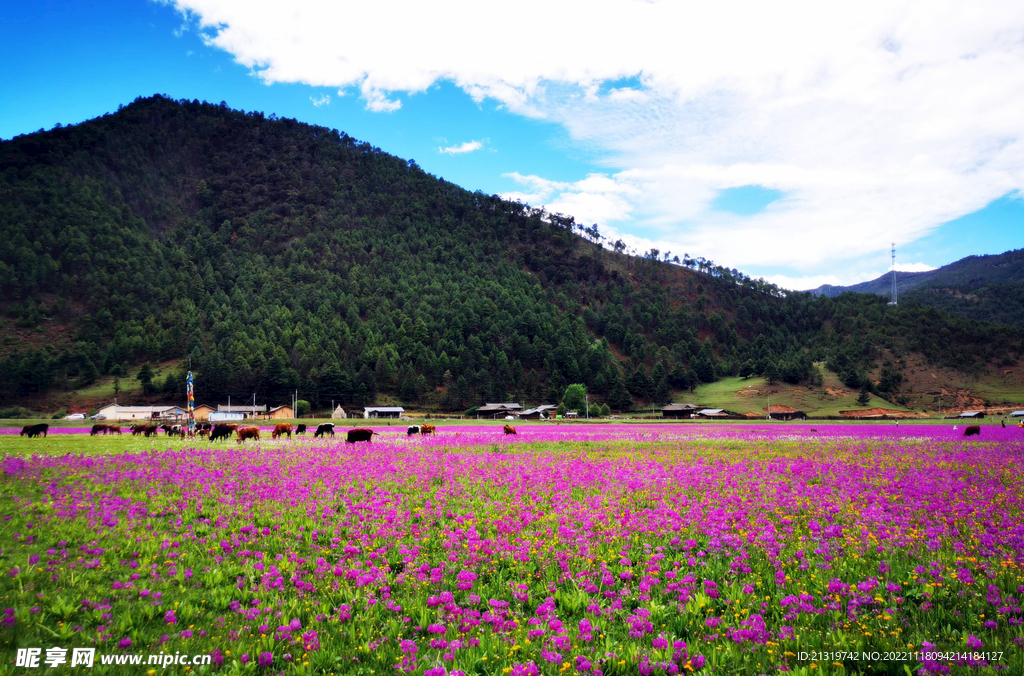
(227, 430)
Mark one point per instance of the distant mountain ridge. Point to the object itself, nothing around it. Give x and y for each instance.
(972, 271)
(985, 288)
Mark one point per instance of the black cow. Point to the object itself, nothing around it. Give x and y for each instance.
(973, 430)
(324, 428)
(360, 435)
(34, 430)
(414, 429)
(222, 432)
(300, 429)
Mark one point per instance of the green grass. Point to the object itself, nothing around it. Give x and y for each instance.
(728, 394)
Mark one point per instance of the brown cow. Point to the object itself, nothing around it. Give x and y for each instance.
(34, 430)
(427, 429)
(509, 429)
(281, 429)
(359, 435)
(248, 433)
(973, 430)
(111, 429)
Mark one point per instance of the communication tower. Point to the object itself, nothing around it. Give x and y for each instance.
(893, 300)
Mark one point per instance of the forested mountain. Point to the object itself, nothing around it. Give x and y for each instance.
(280, 255)
(987, 288)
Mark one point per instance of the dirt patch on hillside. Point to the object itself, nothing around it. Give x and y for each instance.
(877, 412)
(755, 393)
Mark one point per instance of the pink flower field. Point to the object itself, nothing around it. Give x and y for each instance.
(594, 549)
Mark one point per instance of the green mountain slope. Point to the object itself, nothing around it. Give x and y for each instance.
(281, 256)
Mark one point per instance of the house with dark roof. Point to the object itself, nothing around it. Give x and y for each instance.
(542, 411)
(497, 410)
(679, 410)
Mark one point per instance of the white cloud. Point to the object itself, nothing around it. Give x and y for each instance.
(467, 147)
(595, 199)
(914, 267)
(876, 120)
(378, 102)
(323, 100)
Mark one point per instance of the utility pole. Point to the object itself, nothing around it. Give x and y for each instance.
(893, 300)
(587, 397)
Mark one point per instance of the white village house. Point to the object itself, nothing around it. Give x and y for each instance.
(118, 412)
(383, 412)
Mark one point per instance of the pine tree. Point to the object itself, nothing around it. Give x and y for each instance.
(865, 397)
(145, 377)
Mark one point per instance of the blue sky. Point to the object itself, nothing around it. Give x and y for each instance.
(691, 136)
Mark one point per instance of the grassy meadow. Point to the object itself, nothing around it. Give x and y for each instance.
(592, 549)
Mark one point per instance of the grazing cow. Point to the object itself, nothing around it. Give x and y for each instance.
(137, 429)
(222, 432)
(360, 435)
(427, 429)
(150, 430)
(97, 428)
(111, 429)
(972, 430)
(413, 429)
(324, 428)
(34, 430)
(281, 429)
(203, 432)
(509, 429)
(300, 429)
(248, 433)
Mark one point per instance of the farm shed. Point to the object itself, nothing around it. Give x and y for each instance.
(713, 413)
(972, 414)
(780, 412)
